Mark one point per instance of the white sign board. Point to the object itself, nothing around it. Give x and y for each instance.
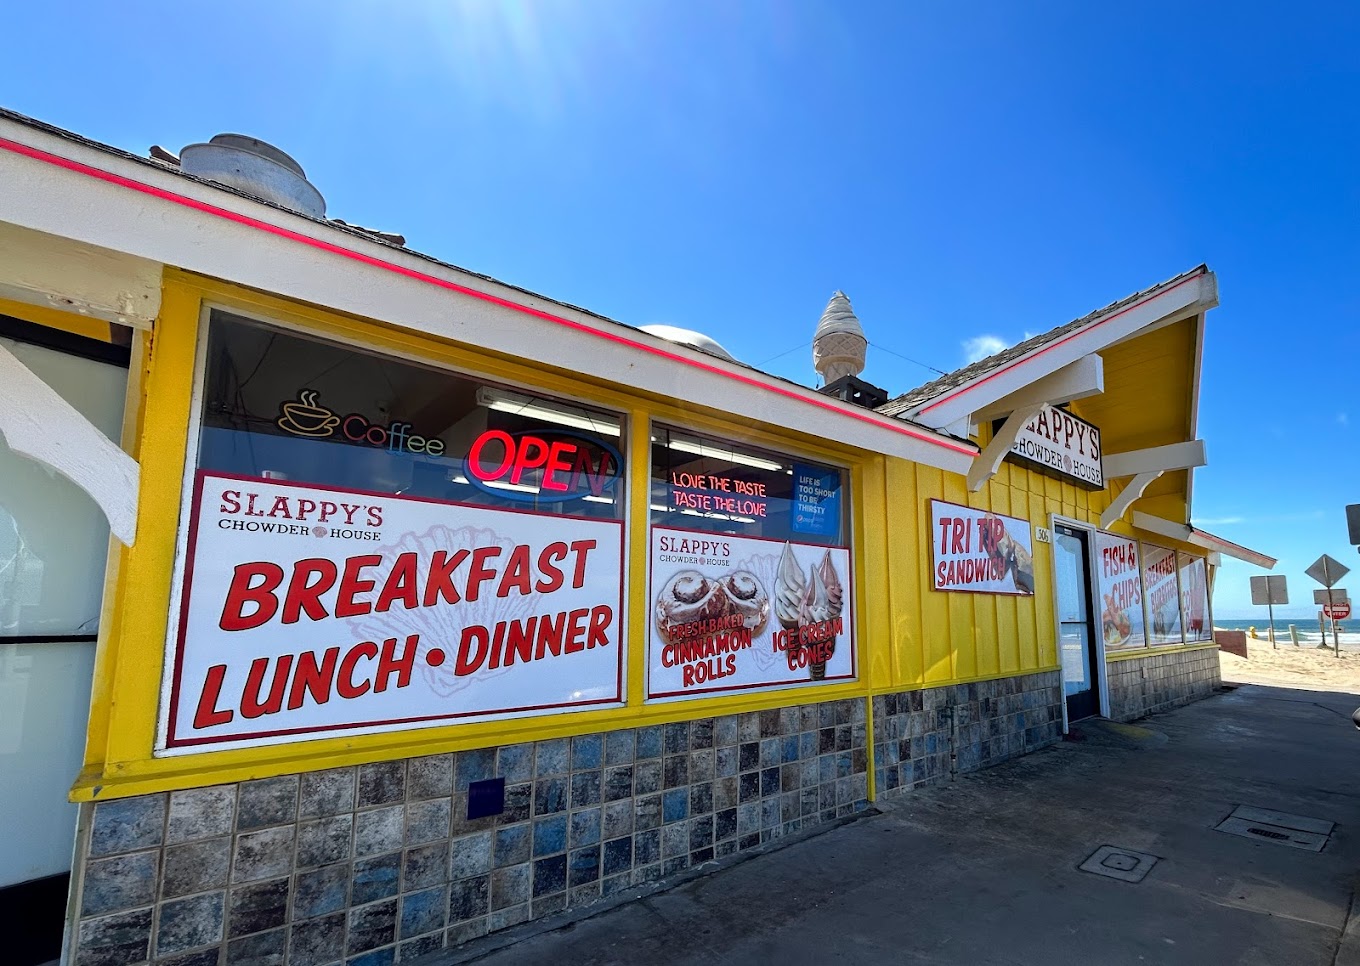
(1338, 594)
(980, 551)
(732, 613)
(1327, 570)
(1064, 443)
(1121, 591)
(1269, 589)
(310, 611)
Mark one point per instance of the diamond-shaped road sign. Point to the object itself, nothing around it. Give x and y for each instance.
(1327, 570)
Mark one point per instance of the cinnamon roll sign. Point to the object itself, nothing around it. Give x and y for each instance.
(736, 613)
(980, 551)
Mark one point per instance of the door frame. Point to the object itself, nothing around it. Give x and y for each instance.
(1102, 682)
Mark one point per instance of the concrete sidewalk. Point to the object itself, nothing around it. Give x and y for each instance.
(985, 870)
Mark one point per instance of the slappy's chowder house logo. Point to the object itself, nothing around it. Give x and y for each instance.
(305, 416)
(251, 511)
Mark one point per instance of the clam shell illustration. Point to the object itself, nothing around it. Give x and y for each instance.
(442, 625)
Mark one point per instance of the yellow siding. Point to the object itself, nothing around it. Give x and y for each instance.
(908, 635)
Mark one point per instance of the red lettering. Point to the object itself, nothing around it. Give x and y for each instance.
(556, 464)
(207, 714)
(389, 663)
(241, 593)
(251, 705)
(400, 584)
(475, 466)
(520, 641)
(440, 581)
(580, 548)
(344, 678)
(601, 618)
(550, 636)
(350, 585)
(533, 453)
(309, 678)
(469, 660)
(478, 572)
(552, 575)
(231, 502)
(576, 628)
(516, 573)
(304, 596)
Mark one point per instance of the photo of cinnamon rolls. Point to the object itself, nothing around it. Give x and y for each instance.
(690, 597)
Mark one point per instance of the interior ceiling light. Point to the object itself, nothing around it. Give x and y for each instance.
(697, 448)
(512, 402)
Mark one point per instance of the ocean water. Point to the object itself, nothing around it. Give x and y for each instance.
(1309, 633)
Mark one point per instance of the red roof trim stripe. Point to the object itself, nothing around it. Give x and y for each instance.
(1052, 345)
(165, 195)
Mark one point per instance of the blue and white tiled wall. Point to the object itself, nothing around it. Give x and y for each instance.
(378, 863)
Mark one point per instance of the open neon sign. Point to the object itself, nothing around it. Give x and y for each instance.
(538, 467)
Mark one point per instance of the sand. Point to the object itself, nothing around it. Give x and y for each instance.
(1307, 668)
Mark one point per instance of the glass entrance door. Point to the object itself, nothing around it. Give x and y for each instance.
(1076, 622)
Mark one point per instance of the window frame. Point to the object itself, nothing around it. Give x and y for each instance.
(850, 546)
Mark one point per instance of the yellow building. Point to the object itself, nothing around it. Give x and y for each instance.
(408, 605)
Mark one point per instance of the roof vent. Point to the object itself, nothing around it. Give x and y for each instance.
(256, 168)
(688, 337)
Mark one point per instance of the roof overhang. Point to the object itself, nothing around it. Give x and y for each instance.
(988, 391)
(1201, 538)
(96, 196)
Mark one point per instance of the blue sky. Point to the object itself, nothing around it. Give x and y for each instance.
(962, 170)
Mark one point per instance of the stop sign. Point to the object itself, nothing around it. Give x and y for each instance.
(1338, 611)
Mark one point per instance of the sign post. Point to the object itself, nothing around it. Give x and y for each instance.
(1270, 590)
(1327, 571)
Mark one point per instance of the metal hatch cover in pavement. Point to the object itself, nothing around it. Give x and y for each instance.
(1277, 828)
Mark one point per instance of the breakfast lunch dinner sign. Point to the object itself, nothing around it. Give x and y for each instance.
(731, 613)
(980, 551)
(310, 611)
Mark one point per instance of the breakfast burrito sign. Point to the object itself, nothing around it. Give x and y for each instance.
(980, 551)
(309, 611)
(733, 613)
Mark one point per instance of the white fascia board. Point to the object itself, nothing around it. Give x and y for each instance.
(1174, 456)
(1162, 526)
(1200, 538)
(97, 198)
(1182, 300)
(1081, 379)
(42, 269)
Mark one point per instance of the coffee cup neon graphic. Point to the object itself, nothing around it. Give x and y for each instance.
(304, 417)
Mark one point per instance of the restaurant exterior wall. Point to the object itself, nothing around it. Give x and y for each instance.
(379, 860)
(1144, 684)
(187, 856)
(935, 638)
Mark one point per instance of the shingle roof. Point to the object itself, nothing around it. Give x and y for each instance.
(910, 401)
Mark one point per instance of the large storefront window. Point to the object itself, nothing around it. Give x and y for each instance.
(750, 569)
(374, 544)
(1121, 591)
(282, 406)
(1194, 578)
(1163, 595)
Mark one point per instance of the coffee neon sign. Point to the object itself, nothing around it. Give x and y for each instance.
(305, 416)
(545, 466)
